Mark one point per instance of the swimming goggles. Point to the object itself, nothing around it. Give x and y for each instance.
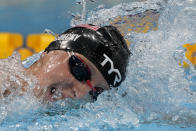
(80, 70)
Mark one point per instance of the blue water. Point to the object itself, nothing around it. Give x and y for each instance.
(158, 94)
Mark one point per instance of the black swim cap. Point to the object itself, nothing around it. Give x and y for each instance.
(105, 47)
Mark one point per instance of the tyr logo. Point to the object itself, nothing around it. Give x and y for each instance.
(118, 75)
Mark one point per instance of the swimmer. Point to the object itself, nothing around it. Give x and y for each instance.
(84, 60)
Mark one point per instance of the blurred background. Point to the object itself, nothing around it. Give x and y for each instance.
(34, 16)
(23, 22)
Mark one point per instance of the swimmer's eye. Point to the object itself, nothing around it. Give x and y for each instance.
(52, 90)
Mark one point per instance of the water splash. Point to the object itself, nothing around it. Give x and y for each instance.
(48, 31)
(157, 88)
(15, 88)
(157, 84)
(32, 59)
(99, 17)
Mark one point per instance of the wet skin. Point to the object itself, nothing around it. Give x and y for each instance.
(55, 80)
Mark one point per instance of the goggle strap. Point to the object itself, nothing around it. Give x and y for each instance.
(89, 72)
(90, 85)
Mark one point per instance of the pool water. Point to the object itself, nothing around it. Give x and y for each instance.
(158, 93)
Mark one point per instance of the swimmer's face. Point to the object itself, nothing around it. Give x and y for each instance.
(57, 82)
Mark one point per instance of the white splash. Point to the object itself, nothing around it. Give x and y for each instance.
(15, 88)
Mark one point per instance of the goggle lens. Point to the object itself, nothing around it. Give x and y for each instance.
(81, 72)
(78, 69)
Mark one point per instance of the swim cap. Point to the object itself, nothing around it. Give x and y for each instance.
(105, 47)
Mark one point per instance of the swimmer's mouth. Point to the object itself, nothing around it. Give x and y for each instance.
(95, 94)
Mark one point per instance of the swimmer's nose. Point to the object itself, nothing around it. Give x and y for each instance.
(68, 93)
(77, 91)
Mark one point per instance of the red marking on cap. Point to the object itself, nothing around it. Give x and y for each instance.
(91, 27)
